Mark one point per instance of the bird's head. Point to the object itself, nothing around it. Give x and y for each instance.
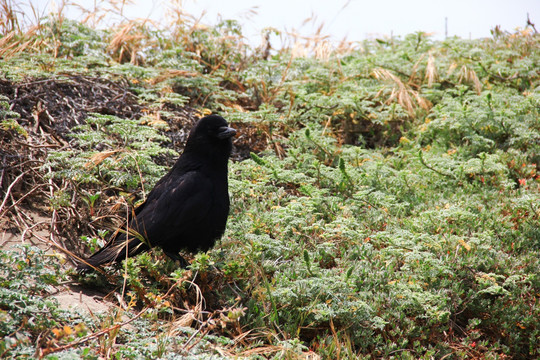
(211, 132)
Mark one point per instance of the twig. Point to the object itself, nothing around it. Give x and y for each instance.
(54, 229)
(498, 77)
(6, 195)
(140, 174)
(19, 217)
(30, 229)
(21, 198)
(531, 24)
(432, 168)
(203, 333)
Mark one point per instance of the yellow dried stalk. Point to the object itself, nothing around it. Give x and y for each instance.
(195, 313)
(129, 38)
(98, 158)
(412, 77)
(431, 70)
(11, 44)
(451, 68)
(408, 98)
(467, 74)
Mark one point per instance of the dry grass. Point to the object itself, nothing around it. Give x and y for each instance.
(9, 19)
(21, 31)
(400, 92)
(131, 36)
(432, 75)
(18, 16)
(19, 27)
(128, 40)
(468, 75)
(13, 43)
(21, 24)
(100, 10)
(317, 44)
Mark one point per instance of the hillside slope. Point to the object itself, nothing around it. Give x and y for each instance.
(385, 194)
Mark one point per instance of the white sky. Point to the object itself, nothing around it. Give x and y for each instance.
(354, 19)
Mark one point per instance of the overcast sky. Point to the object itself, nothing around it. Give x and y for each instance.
(354, 19)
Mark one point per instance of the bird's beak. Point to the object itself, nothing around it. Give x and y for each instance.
(226, 132)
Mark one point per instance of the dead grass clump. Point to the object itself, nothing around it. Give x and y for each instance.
(402, 93)
(432, 75)
(14, 42)
(9, 21)
(319, 46)
(468, 75)
(129, 40)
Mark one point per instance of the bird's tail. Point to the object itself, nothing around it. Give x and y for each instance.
(115, 251)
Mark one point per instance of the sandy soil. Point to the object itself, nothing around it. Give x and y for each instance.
(71, 296)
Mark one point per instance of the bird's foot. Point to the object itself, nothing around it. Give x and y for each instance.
(178, 258)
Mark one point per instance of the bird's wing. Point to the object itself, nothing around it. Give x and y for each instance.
(153, 194)
(174, 204)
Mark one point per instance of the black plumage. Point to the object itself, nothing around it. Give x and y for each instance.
(188, 208)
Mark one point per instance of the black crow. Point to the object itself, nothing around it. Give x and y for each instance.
(188, 207)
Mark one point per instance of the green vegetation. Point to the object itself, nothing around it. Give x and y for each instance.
(385, 195)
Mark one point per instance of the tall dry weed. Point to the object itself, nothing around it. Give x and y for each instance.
(400, 92)
(468, 75)
(432, 76)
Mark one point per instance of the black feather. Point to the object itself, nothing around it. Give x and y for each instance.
(187, 209)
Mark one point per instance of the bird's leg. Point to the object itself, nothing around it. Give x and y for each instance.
(177, 257)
